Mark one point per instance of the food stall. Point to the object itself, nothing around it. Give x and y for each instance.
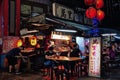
(61, 42)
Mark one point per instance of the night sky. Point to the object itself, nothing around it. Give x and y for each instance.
(111, 19)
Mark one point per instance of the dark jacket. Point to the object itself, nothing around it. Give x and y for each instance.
(75, 53)
(13, 52)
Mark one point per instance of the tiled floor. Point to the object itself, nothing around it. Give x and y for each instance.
(114, 75)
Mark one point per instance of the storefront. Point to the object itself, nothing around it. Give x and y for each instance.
(66, 30)
(13, 14)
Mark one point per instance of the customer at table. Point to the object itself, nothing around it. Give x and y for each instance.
(75, 53)
(49, 44)
(13, 61)
(112, 53)
(50, 52)
(107, 54)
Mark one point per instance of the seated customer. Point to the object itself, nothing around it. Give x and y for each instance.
(13, 61)
(75, 53)
(50, 52)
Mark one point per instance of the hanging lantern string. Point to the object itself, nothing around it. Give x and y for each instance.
(92, 12)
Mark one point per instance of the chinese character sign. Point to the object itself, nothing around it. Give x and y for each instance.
(95, 57)
(63, 12)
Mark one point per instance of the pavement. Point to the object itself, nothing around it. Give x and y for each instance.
(38, 75)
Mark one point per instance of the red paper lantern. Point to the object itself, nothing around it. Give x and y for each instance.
(99, 4)
(100, 15)
(89, 2)
(91, 12)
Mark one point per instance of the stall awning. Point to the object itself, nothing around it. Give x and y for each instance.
(84, 28)
(70, 23)
(108, 31)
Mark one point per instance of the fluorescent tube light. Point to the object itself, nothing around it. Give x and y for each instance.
(111, 34)
(64, 30)
(32, 31)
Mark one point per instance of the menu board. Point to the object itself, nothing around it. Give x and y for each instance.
(95, 57)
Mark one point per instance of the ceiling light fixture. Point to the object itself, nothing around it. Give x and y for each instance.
(66, 30)
(111, 34)
(32, 31)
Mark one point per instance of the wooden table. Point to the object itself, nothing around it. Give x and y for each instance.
(27, 51)
(85, 54)
(63, 58)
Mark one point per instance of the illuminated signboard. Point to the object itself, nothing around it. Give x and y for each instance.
(62, 37)
(95, 57)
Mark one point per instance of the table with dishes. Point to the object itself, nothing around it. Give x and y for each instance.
(63, 59)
